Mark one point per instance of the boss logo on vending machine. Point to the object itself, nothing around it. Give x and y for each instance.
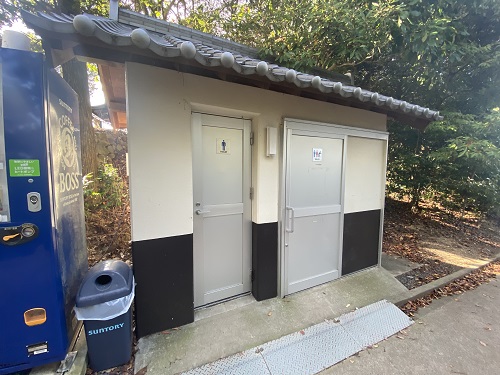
(69, 174)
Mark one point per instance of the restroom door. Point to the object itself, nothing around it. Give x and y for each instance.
(222, 208)
(313, 209)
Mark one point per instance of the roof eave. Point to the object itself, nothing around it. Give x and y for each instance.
(62, 42)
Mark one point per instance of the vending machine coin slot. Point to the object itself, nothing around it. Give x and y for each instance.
(34, 202)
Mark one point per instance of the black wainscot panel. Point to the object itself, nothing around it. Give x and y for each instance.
(264, 260)
(361, 240)
(163, 270)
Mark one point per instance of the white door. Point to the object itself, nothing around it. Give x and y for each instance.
(222, 207)
(313, 213)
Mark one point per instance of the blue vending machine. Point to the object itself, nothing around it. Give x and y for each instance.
(43, 255)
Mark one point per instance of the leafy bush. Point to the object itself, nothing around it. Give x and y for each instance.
(456, 162)
(104, 192)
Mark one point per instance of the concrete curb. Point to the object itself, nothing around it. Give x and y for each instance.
(426, 289)
(80, 365)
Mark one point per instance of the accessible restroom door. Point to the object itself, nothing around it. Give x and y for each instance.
(313, 209)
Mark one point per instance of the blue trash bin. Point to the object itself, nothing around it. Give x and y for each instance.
(104, 303)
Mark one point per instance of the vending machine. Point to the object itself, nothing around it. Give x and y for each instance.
(43, 255)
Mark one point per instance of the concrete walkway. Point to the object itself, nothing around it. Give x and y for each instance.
(241, 324)
(232, 330)
(454, 335)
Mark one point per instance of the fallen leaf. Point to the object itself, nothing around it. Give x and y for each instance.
(142, 371)
(375, 345)
(482, 343)
(269, 313)
(487, 328)
(166, 332)
(302, 332)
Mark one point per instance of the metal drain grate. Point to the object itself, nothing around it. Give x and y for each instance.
(313, 349)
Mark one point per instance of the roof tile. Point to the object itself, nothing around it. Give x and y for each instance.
(169, 40)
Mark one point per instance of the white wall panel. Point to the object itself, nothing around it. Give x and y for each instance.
(160, 157)
(365, 174)
(160, 102)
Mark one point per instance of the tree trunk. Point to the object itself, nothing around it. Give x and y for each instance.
(415, 198)
(75, 73)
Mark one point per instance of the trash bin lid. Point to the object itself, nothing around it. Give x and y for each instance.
(106, 281)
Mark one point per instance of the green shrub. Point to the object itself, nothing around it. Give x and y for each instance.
(104, 192)
(455, 162)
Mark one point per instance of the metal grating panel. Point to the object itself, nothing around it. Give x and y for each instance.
(317, 348)
(244, 363)
(374, 322)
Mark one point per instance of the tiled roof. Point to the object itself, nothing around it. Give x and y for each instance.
(167, 40)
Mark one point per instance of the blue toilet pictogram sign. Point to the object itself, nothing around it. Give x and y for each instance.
(223, 146)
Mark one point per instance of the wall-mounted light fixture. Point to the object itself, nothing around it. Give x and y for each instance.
(272, 141)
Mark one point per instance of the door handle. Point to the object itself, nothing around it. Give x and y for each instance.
(290, 219)
(201, 212)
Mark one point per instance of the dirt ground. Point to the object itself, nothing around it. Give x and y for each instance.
(470, 281)
(108, 230)
(441, 241)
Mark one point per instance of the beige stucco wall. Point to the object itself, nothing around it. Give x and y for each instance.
(365, 174)
(159, 106)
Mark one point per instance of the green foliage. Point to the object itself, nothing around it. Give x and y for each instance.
(171, 10)
(104, 192)
(9, 9)
(301, 34)
(455, 162)
(93, 77)
(446, 55)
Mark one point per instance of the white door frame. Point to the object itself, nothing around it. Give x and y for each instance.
(197, 122)
(311, 128)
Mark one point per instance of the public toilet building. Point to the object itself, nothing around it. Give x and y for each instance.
(245, 177)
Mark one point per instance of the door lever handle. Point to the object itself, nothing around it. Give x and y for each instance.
(201, 212)
(290, 219)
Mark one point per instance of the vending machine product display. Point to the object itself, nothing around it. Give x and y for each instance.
(43, 255)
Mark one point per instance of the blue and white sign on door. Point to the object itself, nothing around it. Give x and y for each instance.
(317, 154)
(223, 146)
